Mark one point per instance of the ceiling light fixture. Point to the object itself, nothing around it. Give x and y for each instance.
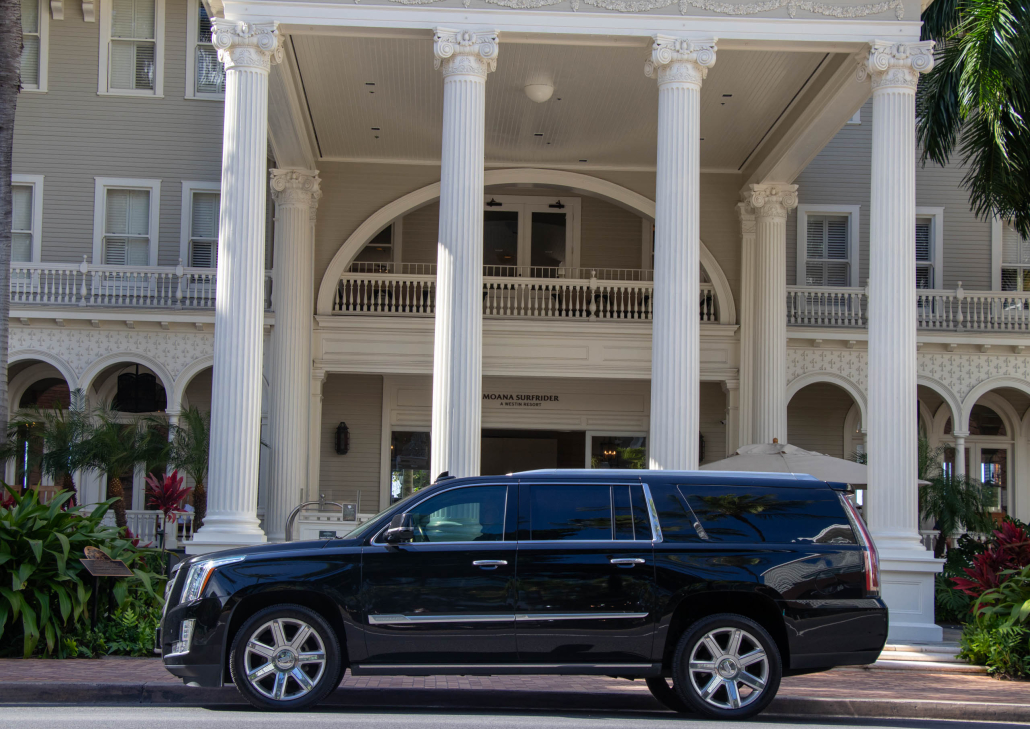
(539, 92)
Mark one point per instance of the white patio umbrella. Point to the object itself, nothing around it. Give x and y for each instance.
(785, 458)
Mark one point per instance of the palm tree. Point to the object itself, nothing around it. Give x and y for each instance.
(977, 100)
(114, 448)
(10, 85)
(62, 432)
(951, 501)
(188, 453)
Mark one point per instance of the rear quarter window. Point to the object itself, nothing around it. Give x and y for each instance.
(677, 521)
(769, 514)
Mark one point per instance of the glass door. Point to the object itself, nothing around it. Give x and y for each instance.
(528, 236)
(994, 471)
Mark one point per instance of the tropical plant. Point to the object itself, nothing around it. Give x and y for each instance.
(1010, 600)
(189, 453)
(166, 494)
(45, 590)
(1005, 651)
(1009, 549)
(977, 100)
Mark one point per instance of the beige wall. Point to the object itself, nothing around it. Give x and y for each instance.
(198, 392)
(358, 401)
(815, 419)
(712, 419)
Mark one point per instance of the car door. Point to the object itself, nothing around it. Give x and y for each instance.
(586, 580)
(448, 596)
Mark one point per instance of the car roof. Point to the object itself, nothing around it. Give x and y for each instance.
(707, 478)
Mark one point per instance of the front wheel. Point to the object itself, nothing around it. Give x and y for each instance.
(727, 667)
(666, 694)
(285, 658)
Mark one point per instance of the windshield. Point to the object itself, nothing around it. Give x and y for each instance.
(360, 530)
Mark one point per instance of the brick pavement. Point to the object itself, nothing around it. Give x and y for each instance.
(840, 683)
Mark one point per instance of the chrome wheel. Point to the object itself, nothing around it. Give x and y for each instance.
(728, 668)
(284, 659)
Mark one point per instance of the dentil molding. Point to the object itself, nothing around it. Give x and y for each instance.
(896, 64)
(247, 45)
(678, 60)
(296, 187)
(465, 52)
(685, 6)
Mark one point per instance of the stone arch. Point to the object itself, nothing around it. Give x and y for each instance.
(99, 365)
(949, 397)
(986, 386)
(178, 395)
(574, 181)
(833, 378)
(66, 370)
(32, 374)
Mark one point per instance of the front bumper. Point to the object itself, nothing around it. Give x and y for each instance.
(204, 664)
(206, 675)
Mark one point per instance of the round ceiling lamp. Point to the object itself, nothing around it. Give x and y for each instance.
(539, 92)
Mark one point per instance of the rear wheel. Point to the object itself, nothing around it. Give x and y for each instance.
(666, 694)
(285, 658)
(727, 667)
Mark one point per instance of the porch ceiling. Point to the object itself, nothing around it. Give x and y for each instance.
(603, 109)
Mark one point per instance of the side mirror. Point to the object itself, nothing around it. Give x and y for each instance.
(401, 529)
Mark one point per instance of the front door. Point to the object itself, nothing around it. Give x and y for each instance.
(586, 584)
(448, 596)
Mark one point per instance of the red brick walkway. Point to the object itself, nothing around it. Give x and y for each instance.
(841, 683)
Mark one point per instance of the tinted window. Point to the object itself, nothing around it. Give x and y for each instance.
(474, 514)
(631, 519)
(570, 512)
(764, 514)
(674, 516)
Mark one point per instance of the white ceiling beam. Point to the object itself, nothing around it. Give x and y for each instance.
(289, 132)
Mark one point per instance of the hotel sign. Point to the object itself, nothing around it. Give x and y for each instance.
(521, 400)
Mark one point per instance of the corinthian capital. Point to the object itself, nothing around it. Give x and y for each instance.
(465, 52)
(896, 64)
(771, 201)
(678, 60)
(296, 187)
(247, 45)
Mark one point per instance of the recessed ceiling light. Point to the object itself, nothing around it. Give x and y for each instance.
(538, 134)
(376, 129)
(370, 83)
(727, 96)
(582, 160)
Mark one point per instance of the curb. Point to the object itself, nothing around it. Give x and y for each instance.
(159, 694)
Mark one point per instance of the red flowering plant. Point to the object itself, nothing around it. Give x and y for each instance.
(167, 495)
(1008, 550)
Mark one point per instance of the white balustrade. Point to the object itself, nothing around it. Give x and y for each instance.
(513, 297)
(145, 523)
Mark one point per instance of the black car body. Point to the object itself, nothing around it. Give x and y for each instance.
(560, 572)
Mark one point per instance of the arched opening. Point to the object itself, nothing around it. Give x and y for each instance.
(817, 416)
(33, 385)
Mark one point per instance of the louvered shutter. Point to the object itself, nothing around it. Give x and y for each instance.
(114, 252)
(204, 230)
(1015, 258)
(924, 255)
(127, 228)
(827, 251)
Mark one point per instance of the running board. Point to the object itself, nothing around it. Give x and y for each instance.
(635, 670)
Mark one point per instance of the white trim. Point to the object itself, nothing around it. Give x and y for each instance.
(104, 71)
(997, 229)
(937, 262)
(44, 49)
(856, 119)
(192, 14)
(36, 183)
(646, 244)
(101, 185)
(853, 212)
(186, 214)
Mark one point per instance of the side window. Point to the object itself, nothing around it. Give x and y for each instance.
(473, 514)
(764, 514)
(677, 521)
(570, 512)
(631, 518)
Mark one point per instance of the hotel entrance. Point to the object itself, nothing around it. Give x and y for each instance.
(510, 451)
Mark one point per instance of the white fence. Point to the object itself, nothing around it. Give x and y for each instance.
(512, 297)
(88, 285)
(144, 525)
(936, 309)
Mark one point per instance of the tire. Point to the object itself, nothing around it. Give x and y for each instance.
(290, 675)
(667, 695)
(721, 680)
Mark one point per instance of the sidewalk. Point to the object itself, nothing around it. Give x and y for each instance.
(842, 692)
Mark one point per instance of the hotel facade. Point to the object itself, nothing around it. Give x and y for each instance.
(383, 239)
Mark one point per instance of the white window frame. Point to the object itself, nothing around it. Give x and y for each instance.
(36, 182)
(101, 186)
(186, 217)
(44, 49)
(998, 254)
(937, 248)
(526, 205)
(192, 39)
(104, 73)
(852, 212)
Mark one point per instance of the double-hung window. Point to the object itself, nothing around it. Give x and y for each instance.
(34, 33)
(205, 74)
(924, 253)
(202, 244)
(827, 251)
(1015, 260)
(131, 47)
(26, 217)
(125, 225)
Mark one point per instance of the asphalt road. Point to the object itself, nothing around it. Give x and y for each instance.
(162, 717)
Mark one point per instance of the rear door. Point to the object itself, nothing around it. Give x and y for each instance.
(586, 589)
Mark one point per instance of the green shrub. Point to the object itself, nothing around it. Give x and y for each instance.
(45, 591)
(1004, 650)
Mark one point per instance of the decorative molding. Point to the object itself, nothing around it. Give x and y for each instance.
(57, 9)
(746, 214)
(247, 45)
(896, 64)
(465, 51)
(301, 188)
(89, 11)
(712, 6)
(679, 60)
(772, 201)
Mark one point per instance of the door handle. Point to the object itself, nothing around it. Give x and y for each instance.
(627, 561)
(490, 564)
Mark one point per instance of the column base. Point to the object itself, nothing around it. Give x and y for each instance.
(226, 532)
(907, 582)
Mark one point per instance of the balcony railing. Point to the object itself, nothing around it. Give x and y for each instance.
(602, 294)
(83, 284)
(936, 309)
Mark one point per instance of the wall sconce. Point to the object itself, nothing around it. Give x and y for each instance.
(342, 439)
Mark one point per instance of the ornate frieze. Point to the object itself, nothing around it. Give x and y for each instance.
(465, 52)
(896, 64)
(247, 45)
(771, 201)
(678, 60)
(296, 187)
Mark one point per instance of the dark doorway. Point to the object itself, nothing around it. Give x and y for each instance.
(509, 451)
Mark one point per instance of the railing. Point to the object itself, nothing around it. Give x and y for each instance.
(144, 525)
(936, 309)
(547, 272)
(117, 286)
(511, 297)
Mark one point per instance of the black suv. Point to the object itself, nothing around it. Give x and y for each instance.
(710, 586)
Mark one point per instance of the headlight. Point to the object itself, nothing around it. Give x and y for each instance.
(200, 573)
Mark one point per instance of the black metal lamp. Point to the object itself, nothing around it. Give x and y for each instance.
(342, 439)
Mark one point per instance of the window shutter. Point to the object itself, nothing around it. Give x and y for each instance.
(814, 274)
(837, 238)
(201, 255)
(114, 252)
(205, 215)
(923, 252)
(815, 246)
(1010, 279)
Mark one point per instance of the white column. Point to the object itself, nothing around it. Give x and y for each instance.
(680, 66)
(247, 50)
(465, 57)
(960, 452)
(296, 194)
(771, 204)
(746, 213)
(315, 389)
(892, 506)
(731, 388)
